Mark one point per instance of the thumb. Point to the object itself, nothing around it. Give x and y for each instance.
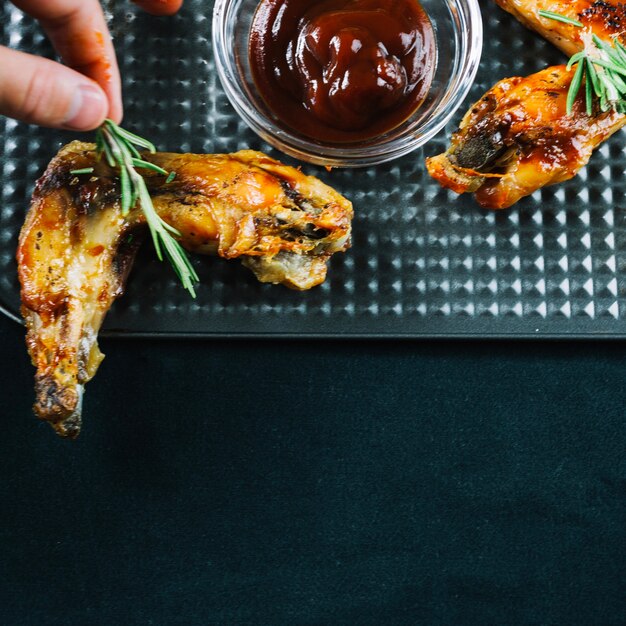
(40, 91)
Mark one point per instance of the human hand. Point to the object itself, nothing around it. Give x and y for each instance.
(87, 89)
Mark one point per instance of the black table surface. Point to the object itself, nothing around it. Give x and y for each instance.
(320, 482)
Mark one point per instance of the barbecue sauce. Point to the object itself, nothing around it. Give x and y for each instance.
(342, 70)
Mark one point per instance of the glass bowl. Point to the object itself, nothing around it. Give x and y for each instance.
(458, 32)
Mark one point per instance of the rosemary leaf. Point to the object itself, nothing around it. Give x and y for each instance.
(575, 59)
(574, 87)
(84, 170)
(612, 94)
(621, 50)
(150, 166)
(618, 81)
(604, 103)
(131, 137)
(99, 142)
(609, 65)
(135, 153)
(560, 18)
(107, 152)
(588, 91)
(591, 71)
(134, 197)
(151, 217)
(126, 191)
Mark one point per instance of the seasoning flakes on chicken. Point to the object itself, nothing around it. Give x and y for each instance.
(76, 248)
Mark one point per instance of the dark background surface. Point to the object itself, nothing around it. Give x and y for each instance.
(320, 482)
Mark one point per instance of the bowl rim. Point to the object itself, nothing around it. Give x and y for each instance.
(355, 155)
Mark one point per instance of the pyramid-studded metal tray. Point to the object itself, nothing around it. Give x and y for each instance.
(424, 262)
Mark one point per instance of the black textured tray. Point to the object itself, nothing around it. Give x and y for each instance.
(424, 262)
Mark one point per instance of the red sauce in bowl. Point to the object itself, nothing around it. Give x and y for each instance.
(342, 70)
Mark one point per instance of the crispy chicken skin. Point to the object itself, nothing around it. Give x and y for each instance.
(518, 137)
(76, 249)
(605, 19)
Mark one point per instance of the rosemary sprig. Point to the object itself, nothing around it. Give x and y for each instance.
(120, 149)
(602, 65)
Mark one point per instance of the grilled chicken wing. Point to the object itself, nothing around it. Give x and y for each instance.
(76, 248)
(518, 137)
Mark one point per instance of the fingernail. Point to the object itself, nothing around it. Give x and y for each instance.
(89, 107)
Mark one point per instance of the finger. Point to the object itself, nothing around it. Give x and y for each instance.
(160, 7)
(40, 91)
(79, 33)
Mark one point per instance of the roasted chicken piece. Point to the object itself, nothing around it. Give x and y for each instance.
(518, 137)
(76, 248)
(605, 19)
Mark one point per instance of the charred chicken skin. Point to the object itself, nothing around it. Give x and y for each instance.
(76, 248)
(519, 137)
